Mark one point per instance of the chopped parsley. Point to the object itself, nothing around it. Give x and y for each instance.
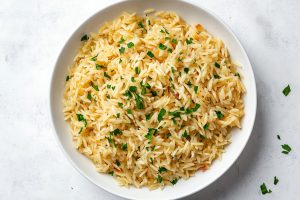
(159, 179)
(278, 137)
(189, 83)
(186, 70)
(202, 136)
(122, 50)
(286, 90)
(173, 70)
(206, 126)
(154, 93)
(170, 50)
(185, 135)
(81, 118)
(167, 38)
(84, 38)
(162, 169)
(264, 190)
(108, 86)
(174, 41)
(137, 70)
(174, 181)
(197, 106)
(132, 79)
(118, 115)
(175, 114)
(89, 96)
(143, 92)
(113, 87)
(162, 46)
(150, 54)
(95, 86)
(124, 147)
(151, 160)
(98, 67)
(168, 135)
(139, 102)
(217, 65)
(106, 75)
(120, 105)
(286, 149)
(276, 180)
(219, 114)
(140, 24)
(80, 130)
(111, 173)
(130, 45)
(150, 133)
(121, 40)
(237, 74)
(132, 88)
(161, 114)
(148, 116)
(94, 58)
(118, 163)
(128, 94)
(129, 111)
(196, 88)
(216, 76)
(116, 132)
(189, 41)
(67, 78)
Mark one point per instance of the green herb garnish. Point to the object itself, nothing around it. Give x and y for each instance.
(174, 41)
(116, 132)
(162, 46)
(132, 79)
(95, 86)
(106, 75)
(133, 89)
(121, 40)
(264, 190)
(286, 149)
(159, 179)
(130, 45)
(89, 96)
(196, 89)
(219, 114)
(111, 173)
(118, 163)
(129, 111)
(217, 65)
(124, 147)
(185, 135)
(162, 169)
(216, 76)
(122, 50)
(139, 102)
(94, 58)
(150, 54)
(98, 67)
(189, 41)
(140, 24)
(161, 114)
(173, 70)
(120, 105)
(150, 133)
(175, 114)
(128, 94)
(148, 116)
(168, 135)
(154, 93)
(81, 119)
(205, 127)
(84, 38)
(137, 70)
(174, 181)
(286, 90)
(276, 180)
(67, 78)
(278, 137)
(186, 70)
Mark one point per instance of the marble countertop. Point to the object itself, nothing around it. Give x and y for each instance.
(33, 167)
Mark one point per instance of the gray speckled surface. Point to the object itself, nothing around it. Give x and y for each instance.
(32, 34)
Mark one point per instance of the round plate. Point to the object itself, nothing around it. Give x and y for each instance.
(191, 13)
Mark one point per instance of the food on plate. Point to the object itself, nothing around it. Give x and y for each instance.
(151, 99)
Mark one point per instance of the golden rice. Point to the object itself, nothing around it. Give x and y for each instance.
(152, 99)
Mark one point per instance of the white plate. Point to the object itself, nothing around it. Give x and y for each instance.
(192, 13)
